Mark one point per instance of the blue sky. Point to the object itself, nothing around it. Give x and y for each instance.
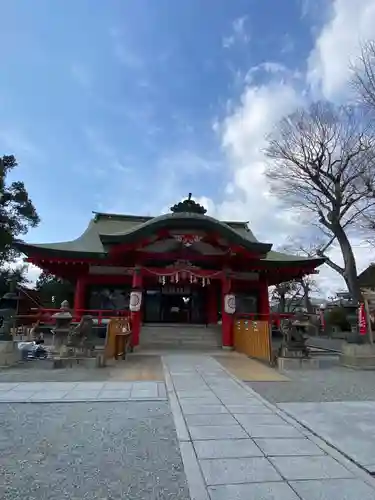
(126, 106)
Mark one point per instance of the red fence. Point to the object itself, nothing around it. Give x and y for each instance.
(45, 315)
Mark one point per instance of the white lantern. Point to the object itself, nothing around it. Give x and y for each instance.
(230, 303)
(135, 301)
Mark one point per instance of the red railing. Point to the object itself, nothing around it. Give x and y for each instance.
(45, 315)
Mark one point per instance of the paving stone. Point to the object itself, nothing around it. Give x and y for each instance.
(238, 470)
(341, 489)
(285, 447)
(217, 432)
(48, 396)
(82, 395)
(220, 419)
(91, 386)
(197, 487)
(256, 419)
(259, 491)
(272, 431)
(141, 384)
(227, 448)
(297, 468)
(29, 386)
(125, 386)
(137, 393)
(193, 394)
(6, 386)
(49, 386)
(249, 408)
(189, 409)
(16, 395)
(348, 426)
(112, 395)
(200, 401)
(162, 391)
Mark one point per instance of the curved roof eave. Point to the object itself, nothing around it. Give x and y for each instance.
(186, 221)
(87, 245)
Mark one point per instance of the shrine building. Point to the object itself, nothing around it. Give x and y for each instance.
(183, 267)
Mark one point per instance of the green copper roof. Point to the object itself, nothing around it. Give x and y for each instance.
(106, 229)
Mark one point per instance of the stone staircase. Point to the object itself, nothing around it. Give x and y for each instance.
(180, 337)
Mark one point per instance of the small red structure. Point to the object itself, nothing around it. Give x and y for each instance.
(181, 267)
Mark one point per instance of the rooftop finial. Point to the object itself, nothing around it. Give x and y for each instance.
(188, 206)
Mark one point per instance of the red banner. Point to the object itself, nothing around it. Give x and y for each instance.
(362, 320)
(322, 319)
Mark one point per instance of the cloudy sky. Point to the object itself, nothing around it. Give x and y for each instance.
(126, 106)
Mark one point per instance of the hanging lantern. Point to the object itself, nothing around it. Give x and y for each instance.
(163, 280)
(135, 301)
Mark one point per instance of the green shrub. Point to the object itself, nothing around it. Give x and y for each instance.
(338, 317)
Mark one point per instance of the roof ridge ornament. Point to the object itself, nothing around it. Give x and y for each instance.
(188, 206)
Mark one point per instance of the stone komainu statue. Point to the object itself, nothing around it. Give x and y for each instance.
(82, 337)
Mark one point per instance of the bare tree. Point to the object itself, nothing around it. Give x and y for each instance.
(297, 292)
(363, 81)
(286, 295)
(321, 161)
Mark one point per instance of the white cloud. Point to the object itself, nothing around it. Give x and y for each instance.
(31, 272)
(243, 130)
(243, 139)
(339, 41)
(239, 33)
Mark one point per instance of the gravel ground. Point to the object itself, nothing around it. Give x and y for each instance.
(31, 372)
(331, 384)
(90, 451)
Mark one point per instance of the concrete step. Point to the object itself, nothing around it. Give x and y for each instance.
(197, 338)
(180, 341)
(178, 347)
(178, 336)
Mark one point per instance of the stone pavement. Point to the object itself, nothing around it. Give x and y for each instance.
(48, 392)
(237, 446)
(349, 426)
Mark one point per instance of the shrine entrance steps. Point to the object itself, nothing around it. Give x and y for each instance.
(180, 337)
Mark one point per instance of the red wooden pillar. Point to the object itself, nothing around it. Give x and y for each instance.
(79, 297)
(264, 303)
(212, 308)
(136, 315)
(227, 319)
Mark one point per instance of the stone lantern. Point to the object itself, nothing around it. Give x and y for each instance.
(62, 329)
